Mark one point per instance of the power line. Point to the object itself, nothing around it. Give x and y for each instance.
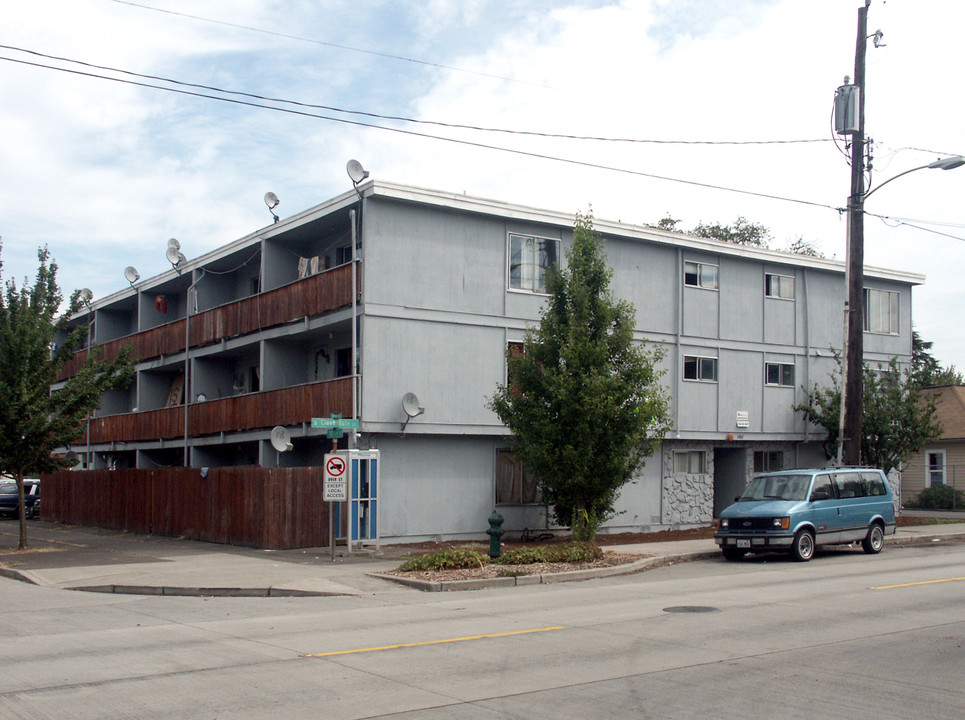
(469, 143)
(374, 53)
(402, 118)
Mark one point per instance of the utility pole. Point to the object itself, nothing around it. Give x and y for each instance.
(854, 356)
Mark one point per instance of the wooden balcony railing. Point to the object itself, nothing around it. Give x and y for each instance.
(288, 406)
(312, 296)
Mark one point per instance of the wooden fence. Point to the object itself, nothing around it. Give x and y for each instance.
(271, 508)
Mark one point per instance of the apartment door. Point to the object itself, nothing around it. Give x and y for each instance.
(729, 476)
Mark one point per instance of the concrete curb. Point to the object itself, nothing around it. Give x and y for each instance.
(176, 591)
(27, 576)
(545, 578)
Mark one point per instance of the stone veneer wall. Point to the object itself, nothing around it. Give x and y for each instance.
(687, 499)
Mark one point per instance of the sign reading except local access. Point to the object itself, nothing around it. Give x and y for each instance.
(336, 478)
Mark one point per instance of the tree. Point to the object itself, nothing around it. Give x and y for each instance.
(741, 232)
(800, 246)
(926, 370)
(582, 398)
(898, 417)
(33, 421)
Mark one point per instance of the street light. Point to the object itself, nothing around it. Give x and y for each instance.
(849, 426)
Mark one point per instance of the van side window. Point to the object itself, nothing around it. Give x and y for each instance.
(850, 485)
(874, 485)
(822, 489)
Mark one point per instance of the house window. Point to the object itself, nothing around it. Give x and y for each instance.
(779, 374)
(779, 286)
(343, 255)
(700, 368)
(513, 348)
(530, 259)
(515, 485)
(700, 275)
(935, 472)
(768, 460)
(689, 462)
(880, 312)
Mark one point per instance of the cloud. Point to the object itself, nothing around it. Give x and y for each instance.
(105, 172)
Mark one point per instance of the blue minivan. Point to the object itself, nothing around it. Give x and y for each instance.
(796, 510)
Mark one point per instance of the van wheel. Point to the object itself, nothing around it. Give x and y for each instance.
(732, 553)
(874, 540)
(803, 548)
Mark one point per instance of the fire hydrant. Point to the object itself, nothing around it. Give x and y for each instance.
(495, 532)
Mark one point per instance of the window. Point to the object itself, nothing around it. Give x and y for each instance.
(700, 275)
(880, 312)
(689, 462)
(513, 348)
(530, 259)
(822, 489)
(936, 468)
(768, 460)
(779, 286)
(874, 484)
(700, 368)
(779, 374)
(515, 485)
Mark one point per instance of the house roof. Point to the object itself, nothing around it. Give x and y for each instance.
(950, 406)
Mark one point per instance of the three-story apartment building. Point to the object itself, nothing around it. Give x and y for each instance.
(289, 324)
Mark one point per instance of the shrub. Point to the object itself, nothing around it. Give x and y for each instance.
(940, 497)
(445, 560)
(573, 552)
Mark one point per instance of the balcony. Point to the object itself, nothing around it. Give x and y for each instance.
(309, 297)
(288, 406)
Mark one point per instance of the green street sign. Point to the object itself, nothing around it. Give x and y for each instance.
(336, 422)
(334, 433)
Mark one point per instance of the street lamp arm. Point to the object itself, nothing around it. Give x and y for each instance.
(949, 163)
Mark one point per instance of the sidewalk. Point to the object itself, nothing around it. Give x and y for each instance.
(96, 560)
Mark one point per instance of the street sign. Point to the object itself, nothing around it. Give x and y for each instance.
(336, 422)
(336, 478)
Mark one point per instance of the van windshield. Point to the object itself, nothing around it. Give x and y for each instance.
(776, 487)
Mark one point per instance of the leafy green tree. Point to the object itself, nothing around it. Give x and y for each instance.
(583, 399)
(33, 421)
(898, 418)
(800, 246)
(926, 370)
(741, 232)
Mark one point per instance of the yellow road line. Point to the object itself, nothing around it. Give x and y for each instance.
(912, 584)
(431, 642)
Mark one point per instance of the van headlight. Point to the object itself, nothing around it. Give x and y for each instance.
(781, 523)
(723, 524)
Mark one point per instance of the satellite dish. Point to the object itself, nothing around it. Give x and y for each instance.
(131, 274)
(271, 200)
(280, 439)
(410, 403)
(173, 243)
(356, 171)
(174, 256)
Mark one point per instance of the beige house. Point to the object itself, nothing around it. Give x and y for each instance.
(943, 461)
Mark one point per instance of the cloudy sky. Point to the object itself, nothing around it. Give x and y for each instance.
(103, 171)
